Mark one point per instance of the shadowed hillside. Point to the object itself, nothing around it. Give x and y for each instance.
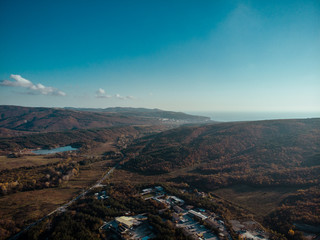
(263, 153)
(15, 120)
(270, 168)
(150, 113)
(79, 137)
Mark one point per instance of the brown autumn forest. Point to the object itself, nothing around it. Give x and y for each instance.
(263, 155)
(16, 120)
(278, 153)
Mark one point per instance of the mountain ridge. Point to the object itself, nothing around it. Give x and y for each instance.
(243, 146)
(17, 119)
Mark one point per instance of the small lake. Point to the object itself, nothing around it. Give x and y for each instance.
(55, 150)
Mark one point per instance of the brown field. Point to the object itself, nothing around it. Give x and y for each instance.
(25, 161)
(100, 148)
(120, 175)
(26, 207)
(260, 201)
(88, 175)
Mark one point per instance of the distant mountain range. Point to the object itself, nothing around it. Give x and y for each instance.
(17, 120)
(146, 112)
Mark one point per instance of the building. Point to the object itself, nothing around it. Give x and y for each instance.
(175, 217)
(189, 207)
(125, 221)
(159, 188)
(178, 209)
(212, 223)
(141, 217)
(146, 190)
(189, 233)
(176, 200)
(197, 215)
(101, 195)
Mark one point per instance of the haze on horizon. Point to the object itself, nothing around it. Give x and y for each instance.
(242, 56)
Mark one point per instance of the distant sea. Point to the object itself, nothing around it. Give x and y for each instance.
(254, 116)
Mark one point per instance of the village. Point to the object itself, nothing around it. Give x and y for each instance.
(195, 223)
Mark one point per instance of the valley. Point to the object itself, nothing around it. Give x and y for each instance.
(160, 120)
(263, 171)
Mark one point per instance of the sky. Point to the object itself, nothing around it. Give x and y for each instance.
(224, 56)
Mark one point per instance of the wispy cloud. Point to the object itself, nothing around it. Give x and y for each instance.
(243, 18)
(124, 97)
(101, 93)
(34, 89)
(131, 97)
(119, 96)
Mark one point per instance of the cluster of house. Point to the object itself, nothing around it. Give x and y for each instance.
(249, 230)
(158, 190)
(196, 223)
(101, 195)
(186, 217)
(158, 194)
(196, 191)
(199, 224)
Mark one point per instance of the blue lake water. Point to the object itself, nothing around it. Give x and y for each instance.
(55, 150)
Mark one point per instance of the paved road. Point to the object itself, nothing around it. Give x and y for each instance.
(65, 206)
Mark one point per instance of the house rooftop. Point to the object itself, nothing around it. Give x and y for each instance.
(197, 214)
(127, 221)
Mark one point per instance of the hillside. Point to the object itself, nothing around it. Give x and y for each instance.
(263, 152)
(269, 168)
(15, 120)
(150, 113)
(85, 138)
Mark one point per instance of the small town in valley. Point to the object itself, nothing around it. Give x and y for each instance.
(195, 223)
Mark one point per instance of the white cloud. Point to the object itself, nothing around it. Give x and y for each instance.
(131, 97)
(35, 88)
(101, 93)
(124, 97)
(119, 96)
(243, 19)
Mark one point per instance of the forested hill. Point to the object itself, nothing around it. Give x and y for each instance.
(16, 120)
(262, 152)
(150, 113)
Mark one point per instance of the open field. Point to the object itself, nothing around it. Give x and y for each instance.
(89, 174)
(26, 207)
(100, 148)
(25, 161)
(121, 175)
(259, 201)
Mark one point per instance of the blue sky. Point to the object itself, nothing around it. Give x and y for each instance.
(176, 55)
